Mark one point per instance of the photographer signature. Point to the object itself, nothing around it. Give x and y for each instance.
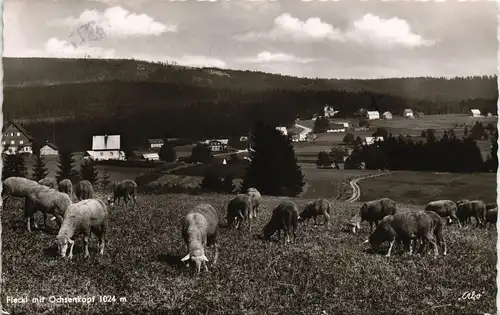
(471, 295)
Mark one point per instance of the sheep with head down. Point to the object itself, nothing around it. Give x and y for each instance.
(491, 217)
(285, 217)
(126, 189)
(445, 208)
(315, 208)
(256, 200)
(406, 227)
(48, 182)
(84, 217)
(66, 186)
(48, 201)
(372, 212)
(84, 190)
(467, 209)
(239, 211)
(199, 231)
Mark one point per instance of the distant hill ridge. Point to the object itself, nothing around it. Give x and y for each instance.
(23, 72)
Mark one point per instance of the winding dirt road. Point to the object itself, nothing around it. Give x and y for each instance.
(356, 191)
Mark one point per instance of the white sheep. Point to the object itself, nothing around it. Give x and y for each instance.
(17, 187)
(125, 189)
(83, 217)
(66, 186)
(239, 210)
(199, 231)
(49, 182)
(256, 200)
(84, 190)
(48, 201)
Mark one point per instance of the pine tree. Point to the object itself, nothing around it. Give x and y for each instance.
(274, 169)
(201, 153)
(39, 169)
(66, 166)
(323, 159)
(167, 152)
(14, 165)
(88, 171)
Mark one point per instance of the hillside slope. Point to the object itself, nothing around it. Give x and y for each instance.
(51, 71)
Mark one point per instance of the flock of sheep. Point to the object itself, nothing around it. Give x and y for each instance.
(200, 225)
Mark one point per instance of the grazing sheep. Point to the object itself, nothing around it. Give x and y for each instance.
(285, 217)
(314, 209)
(49, 182)
(372, 212)
(256, 200)
(445, 208)
(405, 227)
(475, 208)
(84, 217)
(48, 201)
(17, 187)
(199, 231)
(438, 230)
(66, 186)
(84, 190)
(125, 189)
(239, 210)
(491, 217)
(491, 206)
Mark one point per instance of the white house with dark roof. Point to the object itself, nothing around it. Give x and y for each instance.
(155, 143)
(475, 112)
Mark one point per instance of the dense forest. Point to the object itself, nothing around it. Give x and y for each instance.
(76, 98)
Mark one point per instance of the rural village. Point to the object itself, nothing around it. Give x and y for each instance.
(139, 184)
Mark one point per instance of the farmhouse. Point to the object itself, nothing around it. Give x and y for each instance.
(105, 147)
(49, 149)
(371, 115)
(408, 113)
(371, 140)
(16, 138)
(150, 156)
(336, 128)
(475, 113)
(387, 115)
(283, 130)
(155, 143)
(217, 145)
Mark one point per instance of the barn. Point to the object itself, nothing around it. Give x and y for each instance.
(371, 115)
(150, 156)
(49, 149)
(475, 113)
(105, 147)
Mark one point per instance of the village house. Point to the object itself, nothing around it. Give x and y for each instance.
(372, 115)
(408, 113)
(150, 156)
(475, 113)
(155, 143)
(105, 147)
(387, 115)
(372, 140)
(16, 138)
(217, 145)
(336, 128)
(49, 149)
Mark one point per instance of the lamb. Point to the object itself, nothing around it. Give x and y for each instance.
(404, 226)
(285, 217)
(124, 189)
(372, 212)
(314, 209)
(84, 190)
(239, 209)
(47, 200)
(445, 208)
(256, 200)
(84, 217)
(49, 182)
(199, 231)
(475, 208)
(66, 186)
(17, 187)
(491, 217)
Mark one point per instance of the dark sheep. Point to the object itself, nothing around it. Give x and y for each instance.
(405, 227)
(374, 211)
(126, 189)
(445, 208)
(199, 231)
(491, 217)
(468, 209)
(239, 210)
(285, 217)
(84, 190)
(316, 208)
(438, 230)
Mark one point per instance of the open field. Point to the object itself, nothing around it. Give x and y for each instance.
(326, 270)
(423, 187)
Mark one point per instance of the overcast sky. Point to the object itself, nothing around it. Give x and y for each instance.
(329, 39)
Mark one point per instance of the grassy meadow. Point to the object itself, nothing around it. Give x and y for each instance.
(327, 270)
